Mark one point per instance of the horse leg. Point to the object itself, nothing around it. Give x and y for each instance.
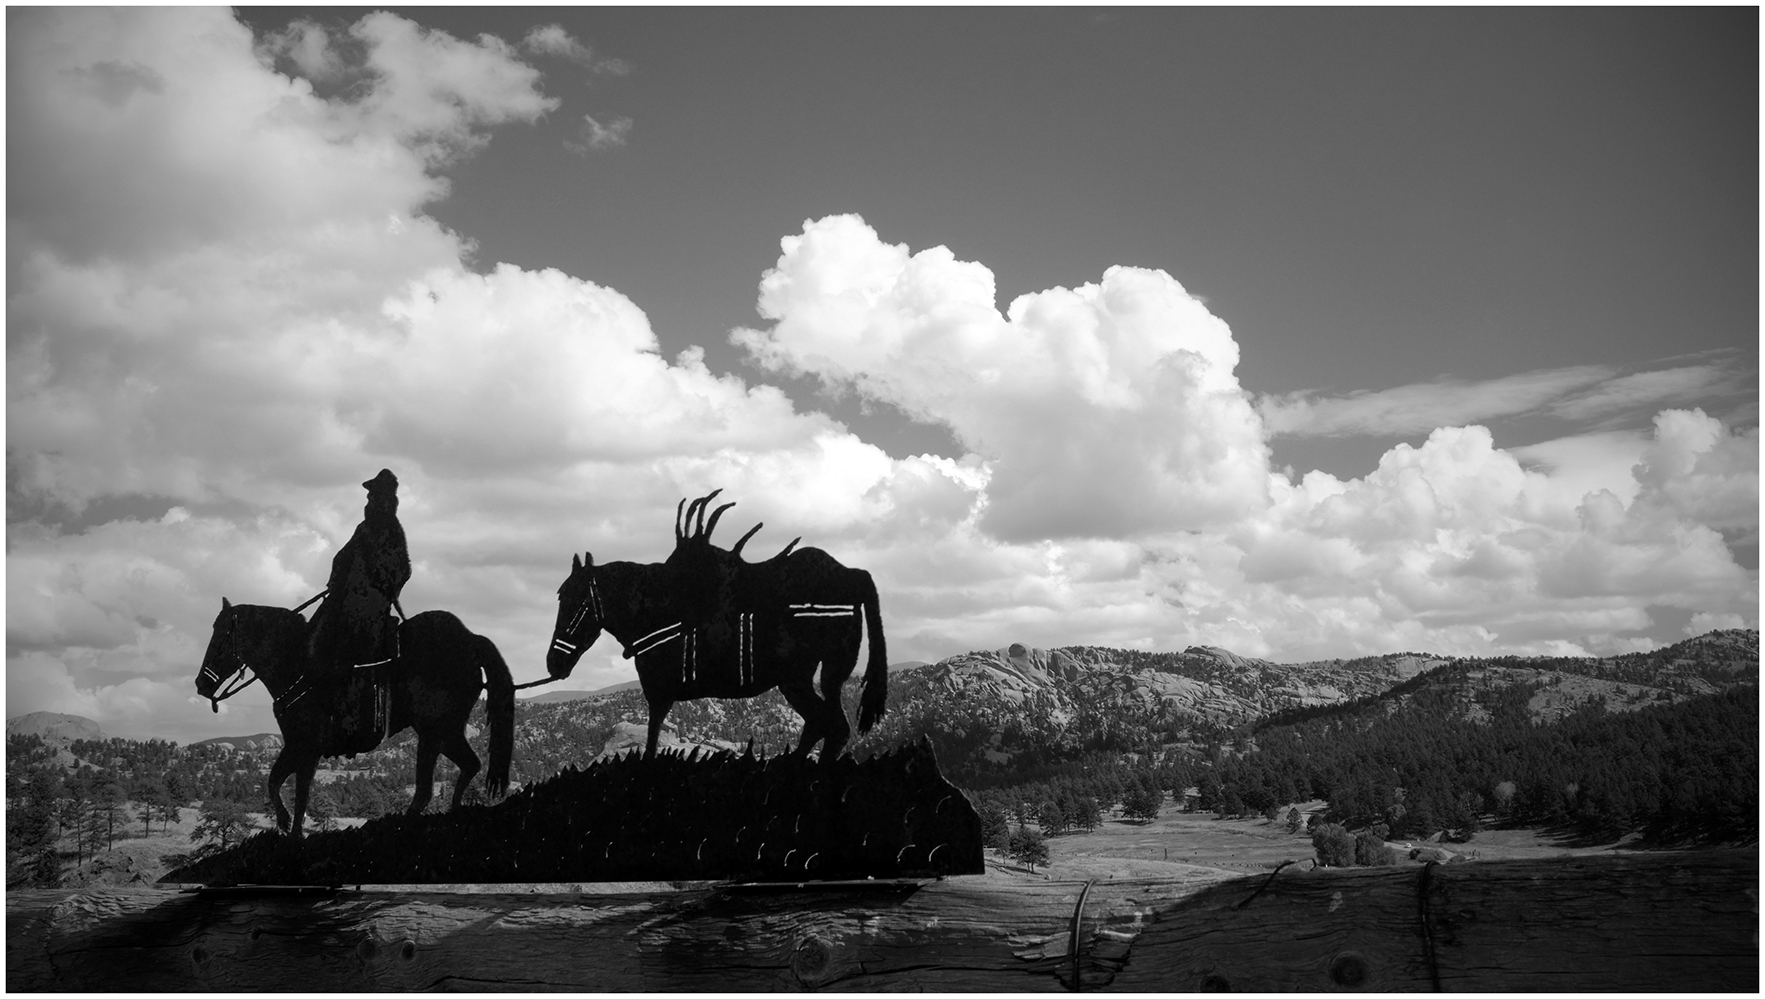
(834, 672)
(658, 711)
(836, 726)
(459, 750)
(801, 696)
(279, 772)
(303, 785)
(427, 750)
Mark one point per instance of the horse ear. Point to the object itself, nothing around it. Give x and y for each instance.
(575, 563)
(226, 605)
(588, 559)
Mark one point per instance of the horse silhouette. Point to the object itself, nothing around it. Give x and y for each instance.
(435, 681)
(708, 624)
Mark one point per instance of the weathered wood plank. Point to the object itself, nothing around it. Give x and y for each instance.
(1676, 922)
(1664, 922)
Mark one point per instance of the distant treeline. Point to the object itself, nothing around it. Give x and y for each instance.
(1680, 771)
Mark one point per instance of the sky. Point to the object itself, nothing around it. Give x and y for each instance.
(1302, 333)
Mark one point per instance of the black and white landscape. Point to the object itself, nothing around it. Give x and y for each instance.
(1643, 751)
(1345, 417)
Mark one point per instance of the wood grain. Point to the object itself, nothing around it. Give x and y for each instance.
(1669, 922)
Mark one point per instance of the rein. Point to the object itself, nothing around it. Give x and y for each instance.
(233, 686)
(237, 681)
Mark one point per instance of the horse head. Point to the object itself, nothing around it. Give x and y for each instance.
(224, 658)
(579, 618)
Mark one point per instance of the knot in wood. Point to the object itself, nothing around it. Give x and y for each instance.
(199, 956)
(1349, 970)
(811, 960)
(366, 949)
(1215, 983)
(407, 950)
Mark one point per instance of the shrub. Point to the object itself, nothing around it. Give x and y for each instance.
(1370, 850)
(1334, 845)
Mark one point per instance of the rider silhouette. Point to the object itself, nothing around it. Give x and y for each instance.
(354, 629)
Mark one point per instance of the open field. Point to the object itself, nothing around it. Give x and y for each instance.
(133, 854)
(1116, 849)
(1122, 849)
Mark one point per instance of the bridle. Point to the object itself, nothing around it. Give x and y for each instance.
(235, 681)
(591, 602)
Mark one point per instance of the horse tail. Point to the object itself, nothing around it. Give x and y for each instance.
(499, 710)
(874, 700)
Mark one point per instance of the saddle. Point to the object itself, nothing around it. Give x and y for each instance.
(361, 697)
(366, 718)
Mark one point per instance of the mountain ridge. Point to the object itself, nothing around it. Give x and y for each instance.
(53, 727)
(991, 709)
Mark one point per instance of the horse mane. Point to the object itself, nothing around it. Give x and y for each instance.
(267, 616)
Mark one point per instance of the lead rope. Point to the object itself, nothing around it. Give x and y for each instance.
(1265, 884)
(1427, 930)
(1078, 918)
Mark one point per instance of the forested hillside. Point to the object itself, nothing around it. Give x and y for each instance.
(1663, 743)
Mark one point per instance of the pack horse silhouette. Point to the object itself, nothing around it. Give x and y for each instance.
(706, 623)
(435, 681)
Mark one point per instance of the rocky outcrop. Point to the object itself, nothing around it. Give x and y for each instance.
(54, 728)
(631, 735)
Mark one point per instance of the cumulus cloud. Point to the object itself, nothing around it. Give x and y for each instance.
(226, 306)
(1455, 545)
(256, 360)
(1107, 410)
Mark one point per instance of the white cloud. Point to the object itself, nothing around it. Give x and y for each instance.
(1103, 411)
(1649, 388)
(1586, 463)
(260, 363)
(1579, 393)
(595, 135)
(1411, 409)
(553, 40)
(224, 293)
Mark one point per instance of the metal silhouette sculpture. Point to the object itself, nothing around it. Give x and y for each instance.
(708, 624)
(441, 668)
(354, 630)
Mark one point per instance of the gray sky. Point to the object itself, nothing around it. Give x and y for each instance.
(1305, 333)
(1369, 197)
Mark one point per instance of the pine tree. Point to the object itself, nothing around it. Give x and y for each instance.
(1142, 803)
(223, 824)
(1029, 847)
